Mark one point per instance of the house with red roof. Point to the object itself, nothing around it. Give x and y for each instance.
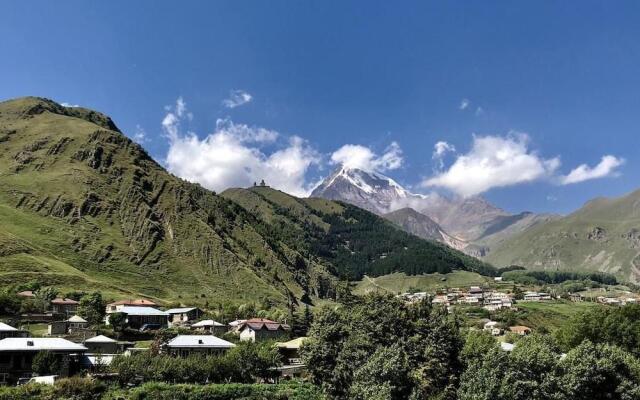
(117, 306)
(64, 306)
(259, 329)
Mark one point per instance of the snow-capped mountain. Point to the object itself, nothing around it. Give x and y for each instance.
(463, 223)
(369, 190)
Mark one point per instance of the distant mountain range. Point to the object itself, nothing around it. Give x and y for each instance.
(470, 224)
(604, 235)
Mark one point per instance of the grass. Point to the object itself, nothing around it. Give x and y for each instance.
(37, 330)
(400, 282)
(552, 314)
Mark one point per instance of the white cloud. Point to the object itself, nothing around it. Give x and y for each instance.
(357, 156)
(140, 135)
(237, 98)
(479, 111)
(494, 161)
(606, 167)
(464, 103)
(234, 156)
(440, 149)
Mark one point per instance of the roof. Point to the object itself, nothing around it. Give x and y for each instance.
(26, 293)
(39, 344)
(519, 328)
(77, 318)
(206, 322)
(133, 302)
(4, 327)
(292, 344)
(237, 322)
(100, 339)
(507, 346)
(130, 310)
(262, 323)
(199, 341)
(64, 301)
(180, 310)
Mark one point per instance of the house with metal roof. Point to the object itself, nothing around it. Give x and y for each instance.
(209, 325)
(7, 331)
(116, 306)
(185, 345)
(138, 317)
(179, 316)
(17, 354)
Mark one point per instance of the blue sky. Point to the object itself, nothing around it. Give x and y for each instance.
(549, 85)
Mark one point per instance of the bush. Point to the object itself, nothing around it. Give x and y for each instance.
(163, 391)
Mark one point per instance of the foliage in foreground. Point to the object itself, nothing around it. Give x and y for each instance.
(378, 347)
(534, 370)
(245, 363)
(86, 389)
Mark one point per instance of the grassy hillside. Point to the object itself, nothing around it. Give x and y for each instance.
(401, 283)
(83, 207)
(604, 235)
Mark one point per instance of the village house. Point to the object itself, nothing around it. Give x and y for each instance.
(233, 325)
(535, 296)
(64, 306)
(178, 316)
(76, 323)
(520, 330)
(475, 291)
(116, 306)
(210, 326)
(8, 331)
(576, 297)
(258, 329)
(16, 356)
(185, 345)
(143, 317)
(26, 294)
(440, 299)
(292, 362)
(102, 344)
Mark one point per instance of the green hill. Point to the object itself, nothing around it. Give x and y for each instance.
(83, 207)
(604, 235)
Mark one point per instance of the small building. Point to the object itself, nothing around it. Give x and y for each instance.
(185, 345)
(490, 325)
(55, 328)
(102, 345)
(576, 297)
(233, 325)
(178, 316)
(138, 317)
(16, 356)
(8, 331)
(258, 329)
(520, 330)
(116, 306)
(27, 294)
(497, 279)
(210, 326)
(64, 306)
(290, 351)
(76, 323)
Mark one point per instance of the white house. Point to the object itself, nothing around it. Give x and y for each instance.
(184, 345)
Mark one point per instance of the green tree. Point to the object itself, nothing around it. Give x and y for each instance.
(118, 321)
(92, 308)
(46, 363)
